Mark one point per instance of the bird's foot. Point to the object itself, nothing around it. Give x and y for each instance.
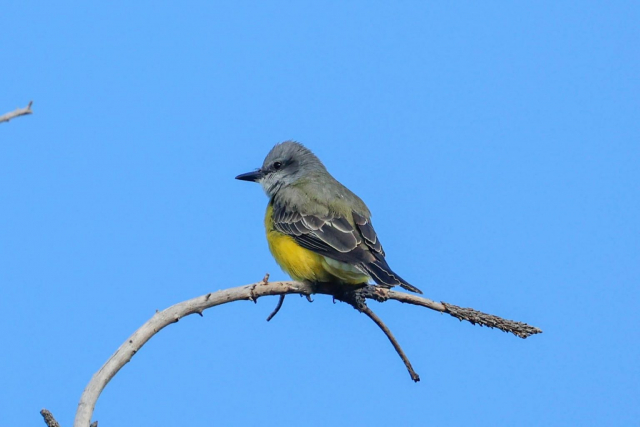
(357, 297)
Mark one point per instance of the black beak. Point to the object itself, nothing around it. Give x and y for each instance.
(251, 176)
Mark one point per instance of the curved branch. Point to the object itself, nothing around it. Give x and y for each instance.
(252, 292)
(17, 113)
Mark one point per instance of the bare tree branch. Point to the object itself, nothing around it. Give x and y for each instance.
(17, 113)
(252, 292)
(472, 316)
(48, 418)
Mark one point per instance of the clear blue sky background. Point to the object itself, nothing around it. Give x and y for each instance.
(498, 146)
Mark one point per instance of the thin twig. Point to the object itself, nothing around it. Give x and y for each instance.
(476, 317)
(414, 375)
(358, 299)
(472, 316)
(17, 113)
(277, 309)
(49, 419)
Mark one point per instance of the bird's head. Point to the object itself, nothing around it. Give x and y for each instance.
(285, 164)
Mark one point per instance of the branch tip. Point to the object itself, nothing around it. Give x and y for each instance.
(17, 113)
(476, 317)
(277, 309)
(49, 419)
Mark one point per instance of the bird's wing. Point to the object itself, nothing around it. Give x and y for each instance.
(368, 233)
(330, 235)
(333, 236)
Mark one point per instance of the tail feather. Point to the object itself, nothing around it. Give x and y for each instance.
(382, 274)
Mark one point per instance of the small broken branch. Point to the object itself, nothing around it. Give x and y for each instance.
(277, 309)
(17, 113)
(49, 419)
(252, 292)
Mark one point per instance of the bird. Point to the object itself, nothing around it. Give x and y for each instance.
(317, 229)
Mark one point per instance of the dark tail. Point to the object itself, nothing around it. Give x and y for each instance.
(382, 274)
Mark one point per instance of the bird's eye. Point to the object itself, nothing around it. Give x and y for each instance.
(277, 165)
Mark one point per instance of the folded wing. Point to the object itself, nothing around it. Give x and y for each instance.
(333, 236)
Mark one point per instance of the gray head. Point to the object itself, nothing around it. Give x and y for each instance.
(285, 164)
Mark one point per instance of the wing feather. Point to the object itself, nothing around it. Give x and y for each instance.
(369, 234)
(333, 236)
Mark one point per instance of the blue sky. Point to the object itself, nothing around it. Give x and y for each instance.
(498, 146)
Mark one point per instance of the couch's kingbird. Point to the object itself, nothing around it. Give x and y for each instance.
(317, 229)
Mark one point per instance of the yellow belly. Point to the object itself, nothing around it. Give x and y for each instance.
(303, 264)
